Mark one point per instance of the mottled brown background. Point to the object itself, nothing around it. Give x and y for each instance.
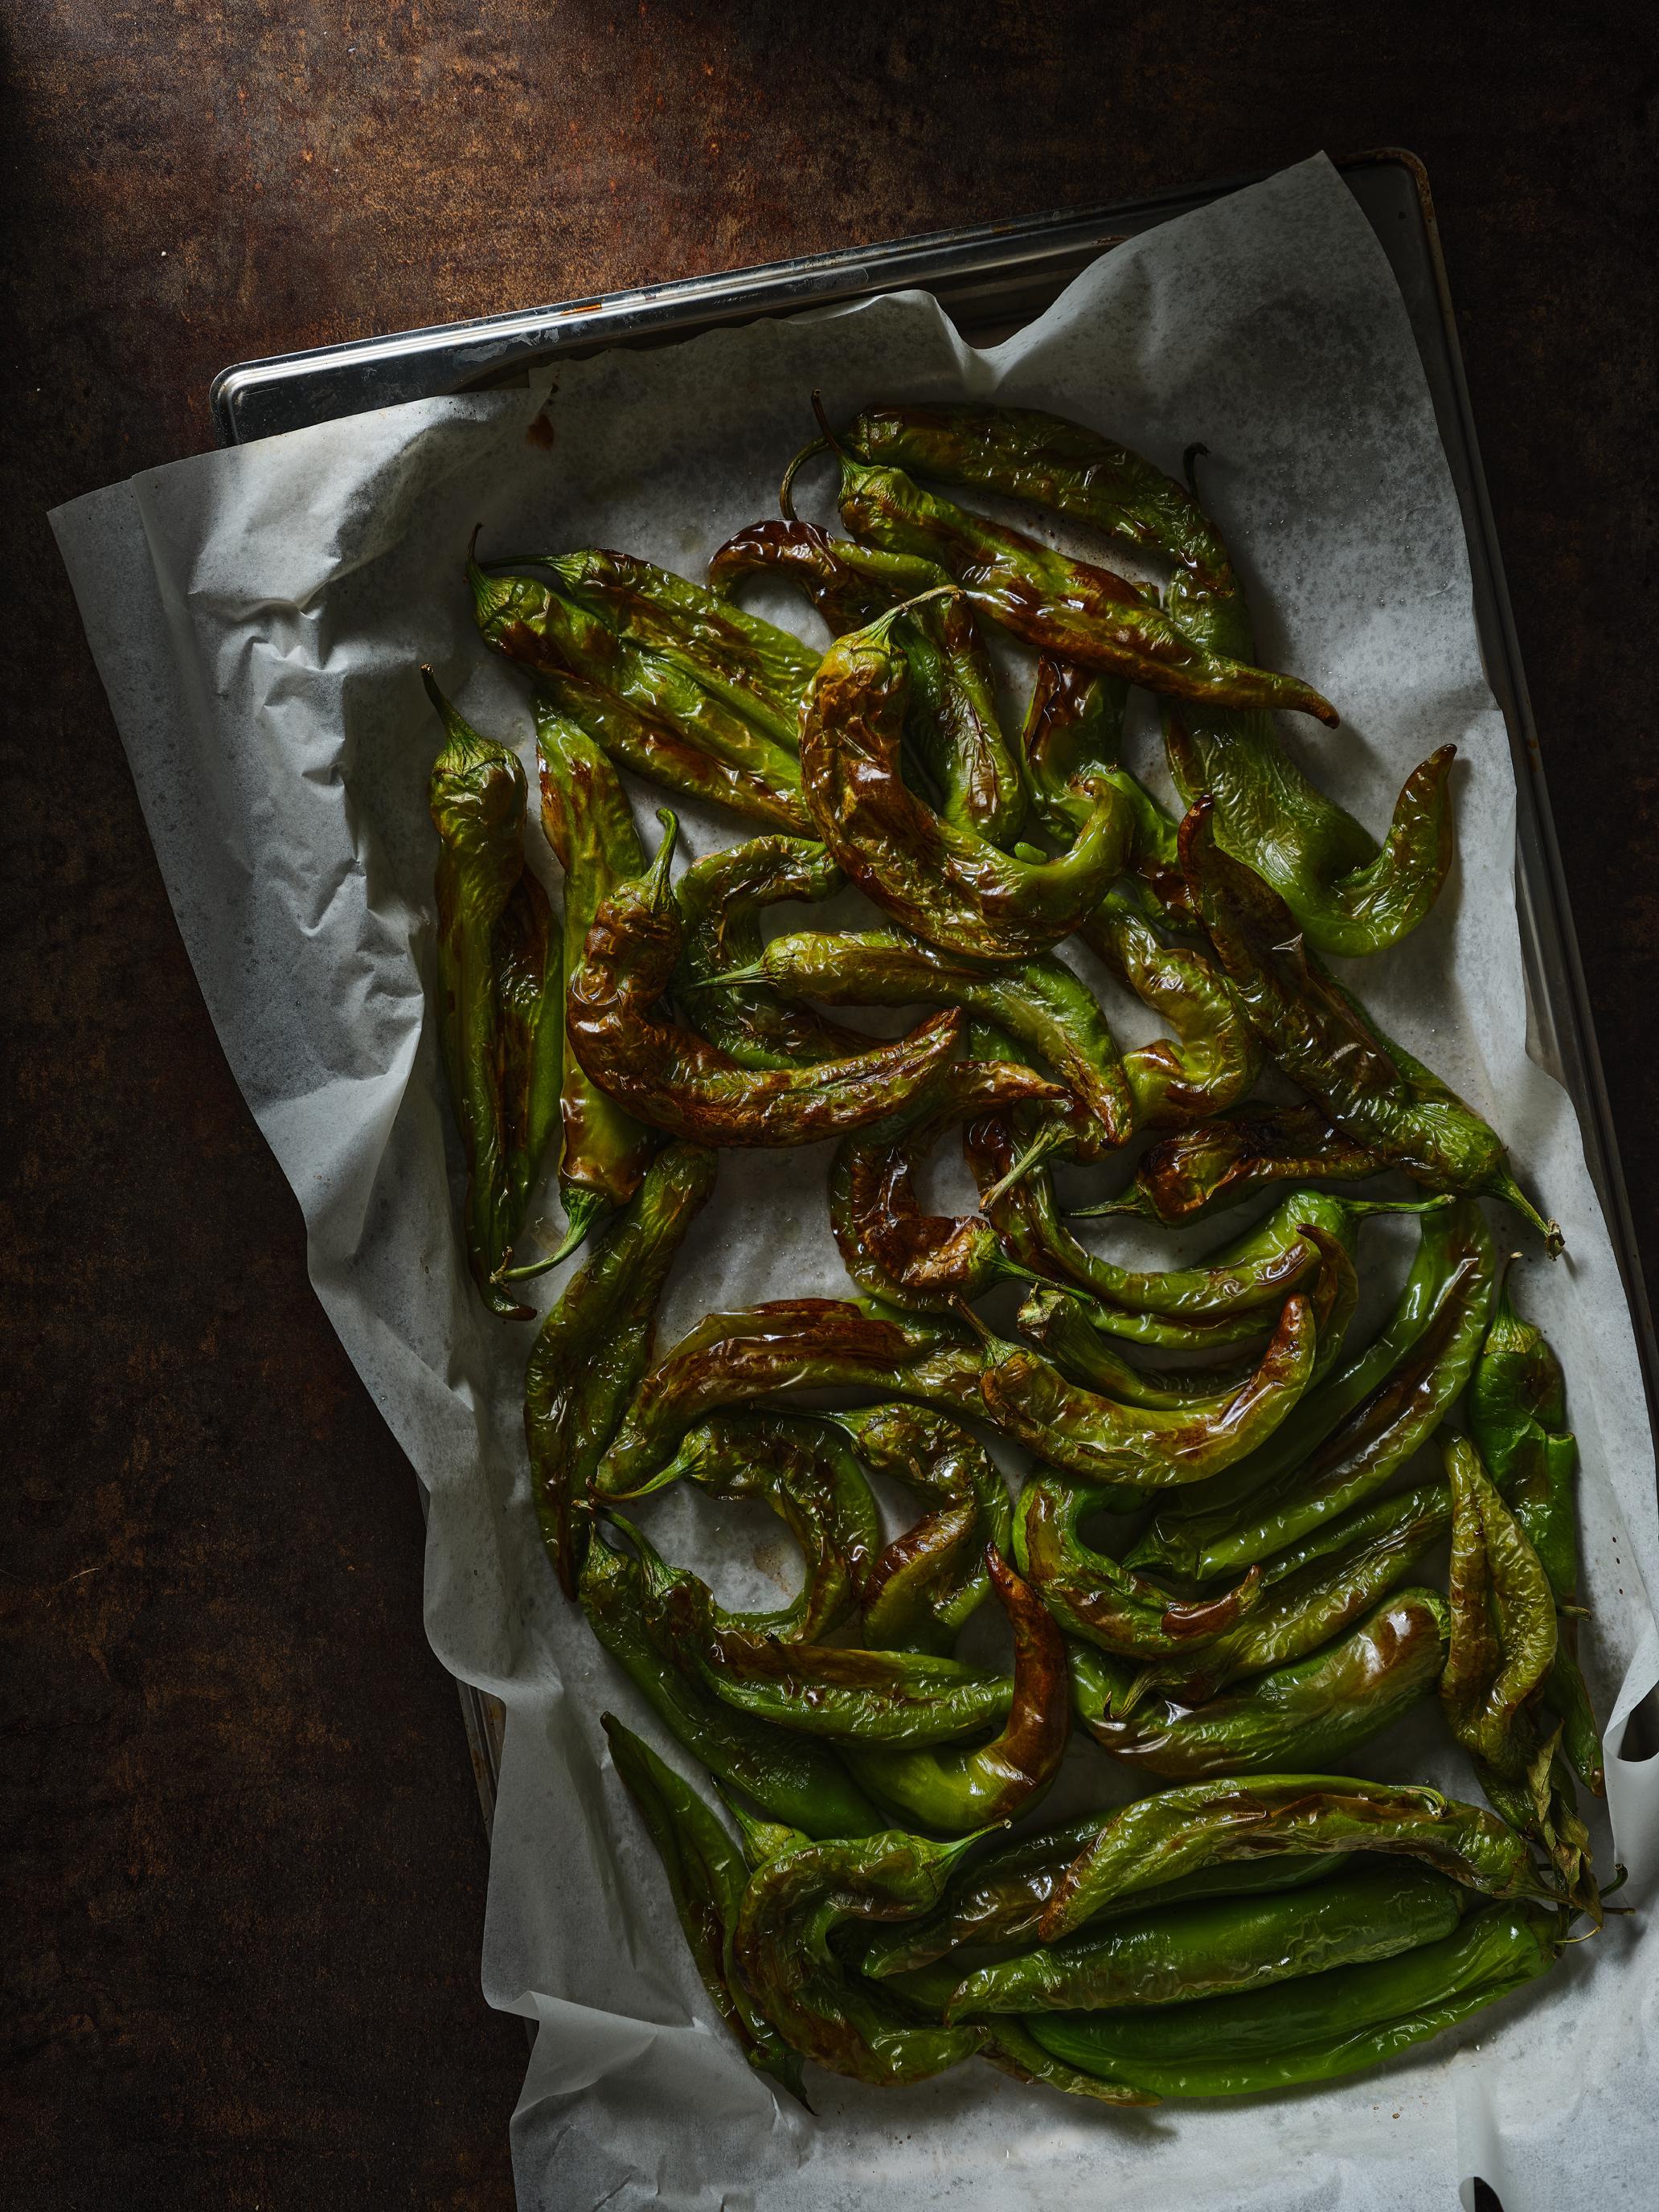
(244, 1864)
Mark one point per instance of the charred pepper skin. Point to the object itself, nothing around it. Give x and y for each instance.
(1317, 1708)
(1502, 1639)
(1200, 1171)
(670, 1077)
(1374, 1091)
(945, 885)
(595, 1344)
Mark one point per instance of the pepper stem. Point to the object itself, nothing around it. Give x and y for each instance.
(1193, 454)
(786, 489)
(1126, 1201)
(1046, 1141)
(653, 884)
(729, 978)
(1511, 1192)
(582, 1208)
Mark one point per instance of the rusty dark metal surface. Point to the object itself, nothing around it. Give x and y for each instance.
(241, 1940)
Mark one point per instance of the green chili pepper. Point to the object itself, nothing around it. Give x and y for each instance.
(1093, 1596)
(1323, 1039)
(793, 1778)
(953, 725)
(1319, 1707)
(920, 1592)
(669, 1077)
(960, 1789)
(1197, 1171)
(1071, 608)
(887, 1244)
(706, 1880)
(1058, 1321)
(791, 1911)
(497, 1016)
(590, 826)
(1316, 1590)
(1221, 1946)
(1040, 1003)
(1316, 2029)
(1502, 1639)
(805, 1470)
(1073, 734)
(1002, 1899)
(1215, 1057)
(1517, 1415)
(942, 882)
(1450, 1242)
(1203, 1823)
(719, 901)
(595, 1344)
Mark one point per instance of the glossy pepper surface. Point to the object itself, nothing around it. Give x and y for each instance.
(669, 1077)
(595, 1344)
(1200, 1171)
(1058, 1321)
(1503, 1640)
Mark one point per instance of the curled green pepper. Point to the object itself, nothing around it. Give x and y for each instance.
(594, 1345)
(1321, 1038)
(793, 1908)
(1318, 1708)
(941, 882)
(1214, 1057)
(670, 1077)
(1058, 1321)
(706, 1880)
(1202, 1823)
(1503, 1641)
(1200, 1171)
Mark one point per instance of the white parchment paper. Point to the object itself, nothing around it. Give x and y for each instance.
(257, 615)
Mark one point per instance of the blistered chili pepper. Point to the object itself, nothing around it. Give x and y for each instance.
(1314, 1710)
(596, 1343)
(1221, 1946)
(1058, 1321)
(1214, 1057)
(720, 900)
(791, 1910)
(1517, 1417)
(1071, 608)
(1449, 1242)
(1073, 734)
(942, 882)
(730, 1358)
(805, 1470)
(590, 826)
(960, 1789)
(1197, 1171)
(889, 1246)
(1092, 1596)
(952, 725)
(497, 1014)
(1375, 1090)
(921, 1591)
(706, 1880)
(669, 1077)
(1312, 2030)
(793, 1779)
(1202, 1823)
(1048, 1012)
(1503, 1641)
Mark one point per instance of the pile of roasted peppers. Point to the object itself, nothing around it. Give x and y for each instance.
(1214, 1567)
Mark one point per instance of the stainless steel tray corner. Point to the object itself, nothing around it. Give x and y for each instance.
(991, 280)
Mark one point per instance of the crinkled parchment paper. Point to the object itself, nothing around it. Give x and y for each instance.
(257, 615)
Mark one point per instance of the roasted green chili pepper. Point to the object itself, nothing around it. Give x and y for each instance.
(1316, 2029)
(1040, 1003)
(920, 1592)
(595, 1344)
(590, 826)
(1374, 1089)
(719, 901)
(1317, 1708)
(1202, 1823)
(805, 1470)
(953, 726)
(889, 1246)
(1503, 1640)
(497, 1016)
(1058, 1321)
(940, 882)
(1197, 1171)
(1071, 608)
(705, 1879)
(1316, 1590)
(1214, 1058)
(1517, 1415)
(1221, 1946)
(669, 1077)
(1073, 734)
(960, 1789)
(793, 1908)
(793, 1779)
(1093, 1596)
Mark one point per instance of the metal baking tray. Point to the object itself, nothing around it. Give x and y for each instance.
(991, 281)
